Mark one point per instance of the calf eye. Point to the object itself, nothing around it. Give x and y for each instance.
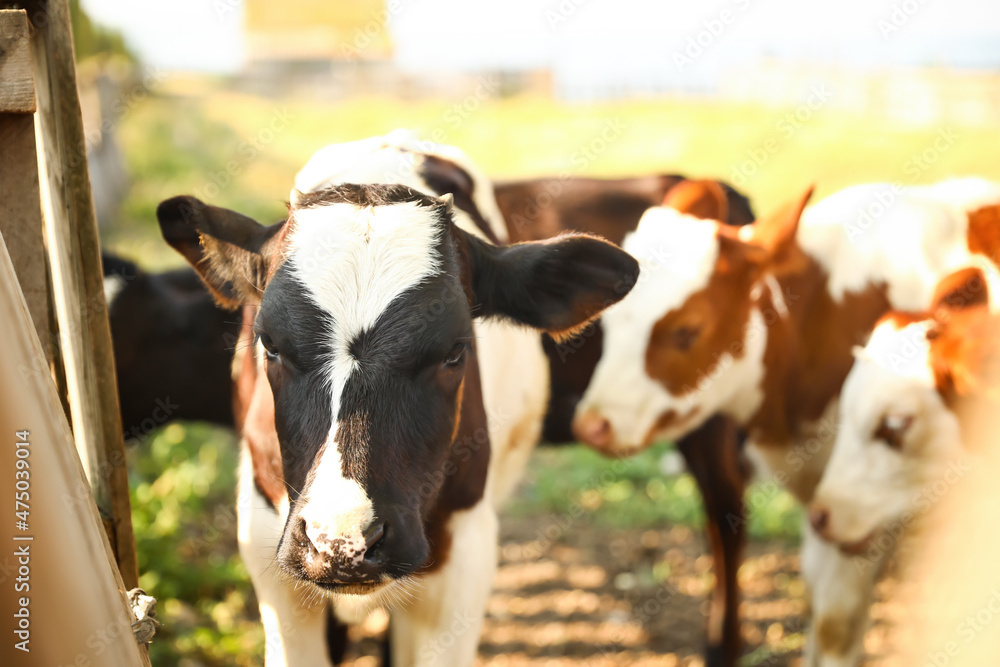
(684, 337)
(455, 356)
(270, 351)
(892, 428)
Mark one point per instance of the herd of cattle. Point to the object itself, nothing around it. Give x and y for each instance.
(379, 353)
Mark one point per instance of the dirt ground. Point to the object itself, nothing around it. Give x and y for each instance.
(605, 598)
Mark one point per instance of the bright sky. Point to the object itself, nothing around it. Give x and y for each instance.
(598, 38)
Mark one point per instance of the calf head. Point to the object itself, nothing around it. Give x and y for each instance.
(689, 340)
(367, 295)
(899, 442)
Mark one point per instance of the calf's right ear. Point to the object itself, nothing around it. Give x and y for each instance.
(557, 285)
(230, 251)
(702, 199)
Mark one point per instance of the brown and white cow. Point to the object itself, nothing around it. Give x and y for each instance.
(543, 208)
(612, 208)
(901, 412)
(759, 324)
(907, 440)
(393, 391)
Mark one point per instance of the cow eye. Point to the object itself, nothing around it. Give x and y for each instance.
(684, 337)
(270, 351)
(892, 429)
(456, 355)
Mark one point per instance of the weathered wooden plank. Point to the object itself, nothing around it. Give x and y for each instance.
(21, 218)
(17, 93)
(75, 593)
(77, 279)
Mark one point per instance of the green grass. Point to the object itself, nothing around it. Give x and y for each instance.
(635, 493)
(183, 481)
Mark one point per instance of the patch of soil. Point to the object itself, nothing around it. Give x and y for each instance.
(603, 598)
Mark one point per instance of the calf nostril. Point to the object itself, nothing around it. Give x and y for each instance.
(819, 517)
(593, 429)
(302, 536)
(373, 534)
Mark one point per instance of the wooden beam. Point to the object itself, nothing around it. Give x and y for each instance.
(77, 609)
(20, 205)
(17, 90)
(77, 278)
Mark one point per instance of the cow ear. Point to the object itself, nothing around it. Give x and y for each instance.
(775, 233)
(228, 250)
(557, 285)
(702, 199)
(984, 232)
(965, 288)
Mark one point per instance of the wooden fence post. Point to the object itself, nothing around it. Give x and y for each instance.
(20, 205)
(71, 238)
(68, 602)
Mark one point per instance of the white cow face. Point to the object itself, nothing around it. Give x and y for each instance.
(898, 449)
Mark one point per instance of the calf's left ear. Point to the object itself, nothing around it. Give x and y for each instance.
(557, 285)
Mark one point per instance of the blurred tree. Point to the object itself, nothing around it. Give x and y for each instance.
(91, 39)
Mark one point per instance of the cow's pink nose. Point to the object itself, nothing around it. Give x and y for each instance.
(593, 429)
(819, 518)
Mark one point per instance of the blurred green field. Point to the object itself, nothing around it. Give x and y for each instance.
(240, 151)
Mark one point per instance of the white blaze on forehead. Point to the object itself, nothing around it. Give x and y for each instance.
(676, 255)
(353, 263)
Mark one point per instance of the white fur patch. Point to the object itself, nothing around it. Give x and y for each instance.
(904, 353)
(396, 158)
(336, 508)
(353, 263)
(113, 285)
(965, 194)
(907, 238)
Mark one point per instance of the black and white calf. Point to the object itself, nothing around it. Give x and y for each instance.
(391, 391)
